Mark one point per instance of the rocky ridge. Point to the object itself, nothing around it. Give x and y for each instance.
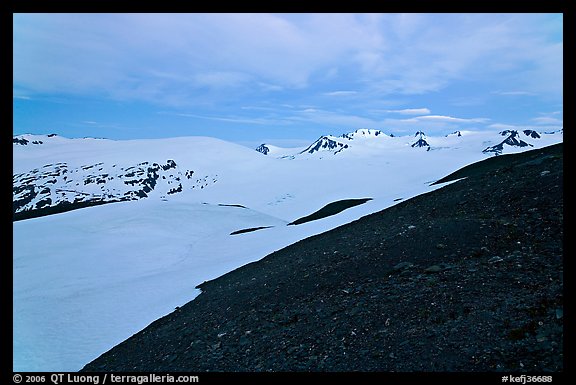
(467, 278)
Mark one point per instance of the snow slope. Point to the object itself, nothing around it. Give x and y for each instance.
(87, 279)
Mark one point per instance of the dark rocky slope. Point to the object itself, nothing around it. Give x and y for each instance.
(466, 278)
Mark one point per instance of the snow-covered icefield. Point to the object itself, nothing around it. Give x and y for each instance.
(87, 279)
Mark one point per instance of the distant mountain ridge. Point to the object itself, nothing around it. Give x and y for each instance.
(123, 174)
(513, 139)
(61, 186)
(329, 144)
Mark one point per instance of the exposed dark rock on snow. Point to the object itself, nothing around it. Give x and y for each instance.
(231, 205)
(465, 278)
(24, 142)
(20, 141)
(531, 133)
(58, 187)
(338, 144)
(421, 142)
(325, 143)
(363, 132)
(249, 230)
(330, 209)
(512, 139)
(263, 149)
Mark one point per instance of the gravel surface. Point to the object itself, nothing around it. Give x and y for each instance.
(467, 278)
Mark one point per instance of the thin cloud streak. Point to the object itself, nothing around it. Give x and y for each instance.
(410, 111)
(547, 121)
(340, 93)
(451, 119)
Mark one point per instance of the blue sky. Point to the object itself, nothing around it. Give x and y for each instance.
(284, 79)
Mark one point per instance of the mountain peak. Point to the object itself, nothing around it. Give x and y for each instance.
(325, 143)
(27, 139)
(421, 142)
(455, 133)
(263, 149)
(531, 133)
(337, 144)
(363, 132)
(512, 140)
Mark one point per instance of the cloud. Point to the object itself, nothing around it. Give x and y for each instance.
(505, 126)
(233, 119)
(514, 93)
(111, 53)
(543, 120)
(333, 118)
(450, 119)
(411, 111)
(345, 121)
(340, 93)
(221, 79)
(215, 60)
(479, 48)
(406, 53)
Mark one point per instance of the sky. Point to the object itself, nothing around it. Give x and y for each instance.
(284, 79)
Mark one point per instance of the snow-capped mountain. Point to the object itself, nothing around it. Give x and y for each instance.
(421, 142)
(513, 139)
(325, 143)
(59, 185)
(336, 144)
(370, 141)
(64, 185)
(56, 172)
(176, 203)
(363, 133)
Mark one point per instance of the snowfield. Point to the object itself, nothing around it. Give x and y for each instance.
(87, 279)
